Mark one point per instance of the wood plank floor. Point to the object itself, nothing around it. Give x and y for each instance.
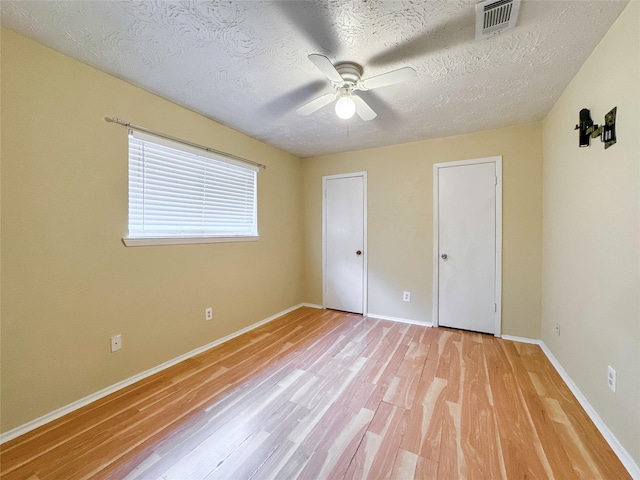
(321, 394)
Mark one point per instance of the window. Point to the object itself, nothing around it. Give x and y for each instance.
(180, 194)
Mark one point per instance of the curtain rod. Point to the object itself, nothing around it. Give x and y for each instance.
(184, 142)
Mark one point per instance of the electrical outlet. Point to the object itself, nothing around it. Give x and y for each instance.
(208, 313)
(406, 296)
(116, 343)
(557, 328)
(611, 378)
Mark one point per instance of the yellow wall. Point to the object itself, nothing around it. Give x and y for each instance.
(400, 207)
(68, 283)
(591, 241)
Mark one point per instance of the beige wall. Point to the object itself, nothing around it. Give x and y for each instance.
(68, 283)
(400, 206)
(591, 241)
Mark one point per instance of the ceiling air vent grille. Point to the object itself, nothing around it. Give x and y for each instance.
(495, 15)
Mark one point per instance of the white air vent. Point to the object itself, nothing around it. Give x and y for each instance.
(494, 16)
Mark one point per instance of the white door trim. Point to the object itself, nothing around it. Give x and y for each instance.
(324, 234)
(436, 246)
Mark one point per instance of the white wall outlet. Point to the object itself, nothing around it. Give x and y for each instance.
(611, 378)
(557, 328)
(116, 343)
(208, 313)
(406, 296)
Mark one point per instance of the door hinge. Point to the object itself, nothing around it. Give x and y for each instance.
(495, 180)
(495, 307)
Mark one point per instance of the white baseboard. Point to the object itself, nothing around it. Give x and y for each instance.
(310, 305)
(624, 456)
(398, 319)
(51, 416)
(626, 459)
(521, 339)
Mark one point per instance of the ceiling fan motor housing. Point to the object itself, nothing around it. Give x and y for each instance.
(350, 72)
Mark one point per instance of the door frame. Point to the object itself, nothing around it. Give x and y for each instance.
(497, 161)
(324, 236)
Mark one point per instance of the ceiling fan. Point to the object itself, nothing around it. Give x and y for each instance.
(345, 80)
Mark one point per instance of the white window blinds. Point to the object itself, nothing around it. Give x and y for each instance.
(176, 191)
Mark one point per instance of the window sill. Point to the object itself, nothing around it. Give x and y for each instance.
(147, 241)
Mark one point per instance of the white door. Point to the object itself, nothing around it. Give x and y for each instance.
(344, 238)
(467, 245)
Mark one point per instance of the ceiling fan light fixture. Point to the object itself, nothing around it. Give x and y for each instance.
(345, 79)
(345, 106)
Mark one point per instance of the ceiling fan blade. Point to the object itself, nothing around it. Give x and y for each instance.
(316, 104)
(314, 24)
(364, 111)
(291, 100)
(326, 67)
(449, 33)
(389, 78)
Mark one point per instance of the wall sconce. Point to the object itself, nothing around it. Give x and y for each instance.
(588, 130)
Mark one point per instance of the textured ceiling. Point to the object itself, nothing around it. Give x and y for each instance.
(244, 63)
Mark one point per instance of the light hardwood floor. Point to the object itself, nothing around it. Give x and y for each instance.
(323, 394)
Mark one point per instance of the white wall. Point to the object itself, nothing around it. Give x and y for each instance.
(591, 232)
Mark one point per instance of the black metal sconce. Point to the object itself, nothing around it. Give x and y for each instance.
(588, 130)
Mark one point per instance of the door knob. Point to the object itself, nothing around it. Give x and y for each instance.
(359, 252)
(443, 256)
